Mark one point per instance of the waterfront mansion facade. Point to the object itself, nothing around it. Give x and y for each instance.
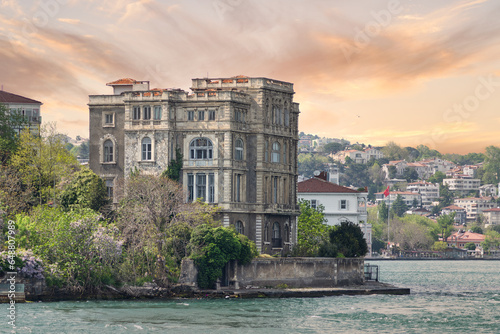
(238, 138)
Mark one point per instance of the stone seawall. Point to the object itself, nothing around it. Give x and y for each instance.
(292, 272)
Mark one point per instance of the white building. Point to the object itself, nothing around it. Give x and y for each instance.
(26, 107)
(474, 206)
(428, 191)
(408, 197)
(340, 203)
(463, 185)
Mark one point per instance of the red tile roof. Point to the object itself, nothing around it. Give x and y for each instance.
(6, 97)
(492, 210)
(453, 207)
(124, 81)
(316, 185)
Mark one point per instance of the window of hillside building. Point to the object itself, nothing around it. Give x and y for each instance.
(238, 149)
(201, 115)
(146, 148)
(201, 149)
(109, 188)
(147, 112)
(136, 113)
(190, 115)
(108, 151)
(314, 203)
(157, 113)
(343, 204)
(211, 115)
(275, 155)
(108, 119)
(239, 227)
(266, 233)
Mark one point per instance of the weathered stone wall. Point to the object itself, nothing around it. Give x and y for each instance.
(294, 272)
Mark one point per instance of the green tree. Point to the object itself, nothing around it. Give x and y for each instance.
(311, 230)
(393, 151)
(332, 148)
(309, 163)
(410, 174)
(439, 246)
(212, 248)
(9, 139)
(445, 225)
(399, 207)
(348, 239)
(383, 211)
(491, 240)
(445, 196)
(42, 161)
(426, 153)
(470, 246)
(438, 177)
(173, 170)
(492, 165)
(476, 229)
(85, 189)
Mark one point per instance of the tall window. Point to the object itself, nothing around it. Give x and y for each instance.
(287, 233)
(237, 188)
(108, 151)
(146, 148)
(275, 189)
(190, 184)
(266, 151)
(157, 114)
(211, 188)
(201, 148)
(285, 152)
(238, 149)
(136, 113)
(287, 117)
(266, 232)
(108, 119)
(239, 227)
(109, 188)
(190, 115)
(343, 204)
(275, 155)
(211, 115)
(201, 186)
(201, 115)
(276, 235)
(314, 203)
(147, 112)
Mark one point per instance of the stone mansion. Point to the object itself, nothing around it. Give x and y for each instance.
(238, 137)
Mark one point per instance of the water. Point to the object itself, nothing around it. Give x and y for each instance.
(447, 297)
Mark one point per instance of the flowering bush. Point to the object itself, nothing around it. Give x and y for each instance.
(26, 264)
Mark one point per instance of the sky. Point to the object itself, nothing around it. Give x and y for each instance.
(370, 71)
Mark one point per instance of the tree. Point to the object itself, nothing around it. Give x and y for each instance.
(42, 161)
(85, 189)
(383, 211)
(173, 171)
(491, 240)
(212, 248)
(348, 239)
(438, 177)
(426, 153)
(445, 196)
(439, 246)
(410, 174)
(309, 163)
(492, 165)
(15, 195)
(476, 229)
(332, 148)
(393, 151)
(311, 229)
(411, 235)
(445, 225)
(470, 246)
(9, 139)
(151, 206)
(399, 207)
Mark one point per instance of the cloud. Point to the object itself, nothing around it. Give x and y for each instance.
(69, 21)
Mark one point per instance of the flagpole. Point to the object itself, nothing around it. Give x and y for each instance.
(388, 221)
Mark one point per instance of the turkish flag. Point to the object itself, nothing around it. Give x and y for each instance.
(386, 192)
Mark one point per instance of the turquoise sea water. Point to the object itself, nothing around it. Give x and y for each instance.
(447, 297)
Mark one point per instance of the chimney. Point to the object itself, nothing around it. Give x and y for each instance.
(323, 175)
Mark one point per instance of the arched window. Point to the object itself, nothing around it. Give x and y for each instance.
(275, 155)
(239, 227)
(201, 149)
(146, 148)
(108, 151)
(238, 149)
